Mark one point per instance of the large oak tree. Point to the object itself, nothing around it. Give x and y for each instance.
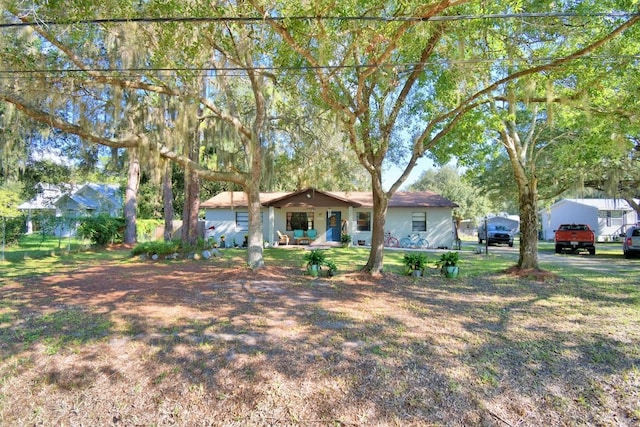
(407, 78)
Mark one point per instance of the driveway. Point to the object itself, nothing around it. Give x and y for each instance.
(605, 263)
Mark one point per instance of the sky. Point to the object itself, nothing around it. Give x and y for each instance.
(391, 175)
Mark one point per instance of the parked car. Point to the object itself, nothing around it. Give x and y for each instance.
(498, 234)
(631, 243)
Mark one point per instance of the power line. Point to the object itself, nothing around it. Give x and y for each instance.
(259, 19)
(237, 69)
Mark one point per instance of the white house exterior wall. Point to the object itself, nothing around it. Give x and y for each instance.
(224, 221)
(612, 231)
(568, 212)
(439, 224)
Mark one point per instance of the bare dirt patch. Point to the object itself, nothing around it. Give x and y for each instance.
(195, 343)
(536, 274)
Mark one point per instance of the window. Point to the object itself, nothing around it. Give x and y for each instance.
(299, 221)
(242, 221)
(419, 221)
(611, 218)
(364, 221)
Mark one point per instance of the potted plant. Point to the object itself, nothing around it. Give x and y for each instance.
(416, 262)
(345, 239)
(332, 268)
(315, 258)
(448, 264)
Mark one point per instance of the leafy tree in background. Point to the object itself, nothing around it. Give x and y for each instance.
(403, 88)
(399, 88)
(448, 182)
(45, 171)
(162, 114)
(10, 200)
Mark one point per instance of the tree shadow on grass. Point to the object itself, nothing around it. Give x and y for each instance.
(172, 344)
(63, 327)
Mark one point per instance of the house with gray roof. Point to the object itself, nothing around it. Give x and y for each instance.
(330, 214)
(67, 202)
(90, 200)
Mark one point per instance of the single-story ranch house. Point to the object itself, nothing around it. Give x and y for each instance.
(607, 217)
(323, 216)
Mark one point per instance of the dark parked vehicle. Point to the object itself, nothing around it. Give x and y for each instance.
(498, 234)
(631, 243)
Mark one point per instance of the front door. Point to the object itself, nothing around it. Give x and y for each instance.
(333, 226)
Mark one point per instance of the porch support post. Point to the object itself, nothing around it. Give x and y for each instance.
(350, 226)
(271, 227)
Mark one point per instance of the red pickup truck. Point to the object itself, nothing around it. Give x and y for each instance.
(574, 237)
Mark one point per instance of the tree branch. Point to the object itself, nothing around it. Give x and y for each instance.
(129, 141)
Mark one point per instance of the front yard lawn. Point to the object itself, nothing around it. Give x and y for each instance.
(106, 339)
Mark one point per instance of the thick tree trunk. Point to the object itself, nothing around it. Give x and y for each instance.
(191, 207)
(375, 262)
(528, 202)
(191, 192)
(131, 194)
(525, 177)
(527, 183)
(255, 248)
(255, 238)
(167, 201)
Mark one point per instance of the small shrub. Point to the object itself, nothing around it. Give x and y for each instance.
(101, 229)
(146, 228)
(13, 229)
(159, 247)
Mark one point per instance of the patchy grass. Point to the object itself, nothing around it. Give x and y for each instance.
(37, 246)
(101, 339)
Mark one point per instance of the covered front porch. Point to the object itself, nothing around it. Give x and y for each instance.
(309, 217)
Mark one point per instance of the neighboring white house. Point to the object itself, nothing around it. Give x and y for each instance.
(331, 213)
(67, 202)
(91, 199)
(46, 195)
(607, 217)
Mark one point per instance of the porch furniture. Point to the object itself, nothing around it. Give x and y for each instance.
(298, 237)
(312, 234)
(283, 239)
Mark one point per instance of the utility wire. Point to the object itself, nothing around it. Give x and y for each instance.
(258, 19)
(230, 71)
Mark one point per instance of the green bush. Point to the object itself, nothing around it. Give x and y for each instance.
(13, 229)
(158, 247)
(146, 228)
(101, 229)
